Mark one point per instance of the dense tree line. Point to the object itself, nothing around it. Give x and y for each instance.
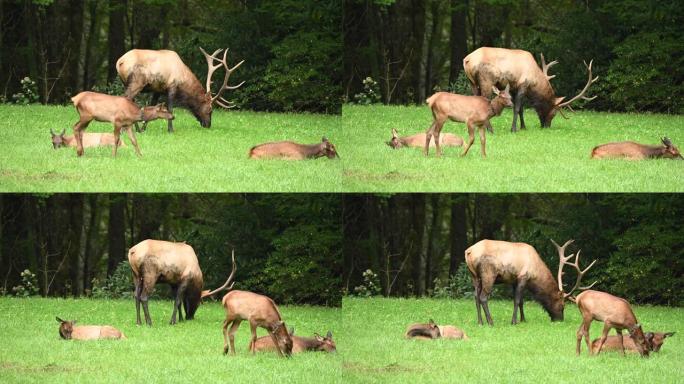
(415, 243)
(414, 47)
(287, 246)
(292, 48)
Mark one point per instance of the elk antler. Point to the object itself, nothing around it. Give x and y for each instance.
(590, 81)
(564, 261)
(545, 67)
(212, 68)
(225, 285)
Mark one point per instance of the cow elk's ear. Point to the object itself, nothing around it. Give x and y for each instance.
(432, 322)
(508, 88)
(395, 134)
(59, 320)
(318, 337)
(668, 334)
(495, 90)
(328, 335)
(291, 331)
(324, 139)
(649, 336)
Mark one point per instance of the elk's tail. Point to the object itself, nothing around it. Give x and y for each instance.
(77, 99)
(431, 100)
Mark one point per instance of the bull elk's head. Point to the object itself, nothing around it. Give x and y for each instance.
(558, 312)
(206, 109)
(58, 139)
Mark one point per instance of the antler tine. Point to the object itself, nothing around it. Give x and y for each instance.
(210, 64)
(545, 67)
(563, 260)
(580, 274)
(225, 85)
(591, 80)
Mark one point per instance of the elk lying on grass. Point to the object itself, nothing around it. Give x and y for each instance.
(164, 72)
(290, 150)
(615, 313)
(423, 331)
(635, 151)
(500, 67)
(655, 341)
(519, 264)
(260, 311)
(452, 332)
(418, 140)
(176, 264)
(300, 344)
(119, 111)
(68, 330)
(474, 111)
(89, 140)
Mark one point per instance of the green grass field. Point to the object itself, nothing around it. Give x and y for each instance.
(193, 159)
(536, 351)
(190, 352)
(534, 160)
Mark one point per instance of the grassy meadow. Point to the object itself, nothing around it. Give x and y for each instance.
(191, 351)
(534, 160)
(192, 159)
(537, 351)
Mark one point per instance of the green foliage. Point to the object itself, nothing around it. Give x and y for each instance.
(370, 286)
(457, 286)
(28, 286)
(461, 85)
(115, 88)
(28, 94)
(117, 286)
(370, 94)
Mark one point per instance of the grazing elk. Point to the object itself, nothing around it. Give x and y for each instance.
(614, 312)
(120, 111)
(176, 264)
(164, 72)
(89, 140)
(68, 330)
(474, 111)
(635, 151)
(260, 311)
(655, 341)
(519, 264)
(290, 150)
(500, 67)
(418, 140)
(317, 343)
(423, 331)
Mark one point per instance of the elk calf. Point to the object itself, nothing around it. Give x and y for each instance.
(418, 140)
(68, 331)
(615, 313)
(300, 344)
(452, 332)
(290, 150)
(423, 331)
(119, 111)
(634, 151)
(474, 111)
(260, 311)
(89, 140)
(655, 341)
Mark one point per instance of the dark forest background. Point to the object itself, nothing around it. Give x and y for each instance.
(415, 47)
(292, 48)
(414, 243)
(286, 246)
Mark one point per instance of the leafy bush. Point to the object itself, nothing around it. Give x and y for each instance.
(456, 286)
(115, 88)
(370, 286)
(460, 86)
(28, 286)
(28, 94)
(118, 285)
(370, 94)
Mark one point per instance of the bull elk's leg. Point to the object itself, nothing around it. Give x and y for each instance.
(169, 106)
(478, 287)
(606, 327)
(490, 129)
(517, 299)
(483, 140)
(231, 334)
(522, 110)
(177, 292)
(471, 137)
(487, 281)
(131, 136)
(138, 291)
(522, 314)
(517, 105)
(147, 286)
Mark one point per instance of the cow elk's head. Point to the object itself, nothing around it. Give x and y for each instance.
(327, 343)
(65, 328)
(204, 114)
(58, 139)
(329, 149)
(394, 141)
(671, 151)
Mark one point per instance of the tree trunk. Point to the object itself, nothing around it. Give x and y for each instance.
(431, 49)
(458, 234)
(418, 214)
(458, 39)
(116, 231)
(75, 231)
(93, 30)
(116, 36)
(91, 240)
(432, 246)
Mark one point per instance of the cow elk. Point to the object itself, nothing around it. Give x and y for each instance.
(500, 67)
(163, 72)
(260, 311)
(317, 343)
(90, 140)
(290, 150)
(474, 111)
(418, 140)
(423, 331)
(519, 264)
(176, 264)
(119, 111)
(655, 341)
(634, 151)
(68, 330)
(452, 332)
(615, 313)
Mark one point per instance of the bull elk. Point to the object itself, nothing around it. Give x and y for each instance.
(486, 67)
(164, 72)
(290, 150)
(317, 343)
(120, 111)
(519, 264)
(615, 313)
(90, 140)
(68, 330)
(654, 340)
(635, 151)
(474, 111)
(260, 311)
(418, 140)
(176, 264)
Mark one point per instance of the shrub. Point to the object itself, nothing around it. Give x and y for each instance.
(370, 286)
(28, 286)
(456, 286)
(370, 94)
(28, 94)
(118, 285)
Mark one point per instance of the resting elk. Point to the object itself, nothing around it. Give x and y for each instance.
(654, 340)
(68, 330)
(519, 264)
(157, 261)
(418, 140)
(428, 330)
(300, 344)
(290, 150)
(614, 312)
(90, 140)
(486, 67)
(635, 151)
(163, 72)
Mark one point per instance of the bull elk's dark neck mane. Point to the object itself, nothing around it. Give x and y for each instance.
(544, 289)
(191, 94)
(542, 96)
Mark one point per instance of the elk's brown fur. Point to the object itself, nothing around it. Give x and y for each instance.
(259, 311)
(636, 151)
(90, 140)
(418, 140)
(452, 332)
(428, 330)
(615, 313)
(655, 341)
(290, 150)
(317, 343)
(474, 111)
(68, 330)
